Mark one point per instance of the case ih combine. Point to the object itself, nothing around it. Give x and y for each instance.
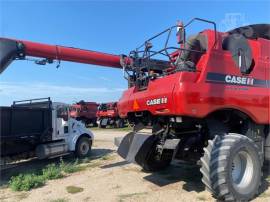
(85, 112)
(207, 100)
(108, 115)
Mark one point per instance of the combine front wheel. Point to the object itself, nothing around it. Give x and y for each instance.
(150, 159)
(231, 167)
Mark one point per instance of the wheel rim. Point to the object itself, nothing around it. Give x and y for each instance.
(84, 148)
(242, 170)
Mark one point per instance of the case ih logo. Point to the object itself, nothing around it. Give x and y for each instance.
(239, 80)
(236, 80)
(157, 101)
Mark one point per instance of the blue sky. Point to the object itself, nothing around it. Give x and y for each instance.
(107, 26)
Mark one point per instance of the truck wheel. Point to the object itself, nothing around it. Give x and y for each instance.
(231, 167)
(119, 123)
(83, 147)
(100, 124)
(95, 123)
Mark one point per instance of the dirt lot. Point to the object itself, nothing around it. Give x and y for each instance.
(109, 178)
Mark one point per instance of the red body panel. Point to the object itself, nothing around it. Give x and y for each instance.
(111, 111)
(87, 110)
(190, 94)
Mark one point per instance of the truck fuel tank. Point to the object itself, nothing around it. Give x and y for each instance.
(51, 149)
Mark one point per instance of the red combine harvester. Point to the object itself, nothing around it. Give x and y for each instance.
(107, 115)
(85, 112)
(206, 99)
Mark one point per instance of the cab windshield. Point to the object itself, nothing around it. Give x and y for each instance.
(62, 112)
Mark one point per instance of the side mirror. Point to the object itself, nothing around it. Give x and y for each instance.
(180, 34)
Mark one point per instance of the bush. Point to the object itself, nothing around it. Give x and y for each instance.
(26, 182)
(51, 172)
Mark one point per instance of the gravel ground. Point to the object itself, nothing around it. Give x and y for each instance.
(109, 178)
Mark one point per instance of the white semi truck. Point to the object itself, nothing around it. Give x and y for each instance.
(43, 129)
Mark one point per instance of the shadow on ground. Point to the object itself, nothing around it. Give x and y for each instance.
(36, 166)
(117, 164)
(190, 174)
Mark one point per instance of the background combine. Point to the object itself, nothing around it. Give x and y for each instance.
(206, 98)
(107, 115)
(85, 112)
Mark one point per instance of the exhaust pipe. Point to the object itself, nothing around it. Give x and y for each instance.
(9, 51)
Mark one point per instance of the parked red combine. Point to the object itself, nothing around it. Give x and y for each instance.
(85, 112)
(107, 115)
(206, 99)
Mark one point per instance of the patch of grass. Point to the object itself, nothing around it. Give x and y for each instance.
(59, 200)
(94, 164)
(107, 157)
(74, 189)
(25, 182)
(128, 128)
(86, 160)
(36, 178)
(70, 167)
(28, 181)
(52, 171)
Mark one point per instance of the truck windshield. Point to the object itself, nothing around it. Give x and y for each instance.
(62, 112)
(102, 107)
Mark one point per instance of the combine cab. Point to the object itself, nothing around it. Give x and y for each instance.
(107, 115)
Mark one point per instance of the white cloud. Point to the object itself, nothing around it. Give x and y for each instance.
(10, 91)
(104, 78)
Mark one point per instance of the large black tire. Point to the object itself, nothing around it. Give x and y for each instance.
(148, 155)
(119, 123)
(83, 147)
(154, 165)
(102, 126)
(95, 123)
(232, 167)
